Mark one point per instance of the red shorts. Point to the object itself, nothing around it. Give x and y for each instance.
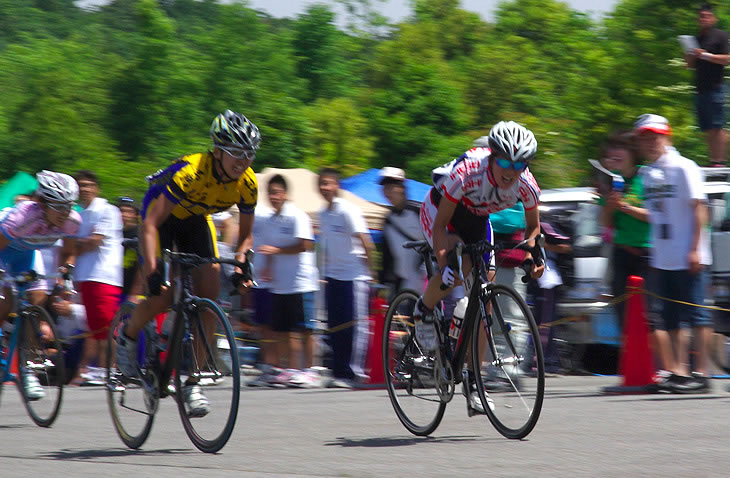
(101, 302)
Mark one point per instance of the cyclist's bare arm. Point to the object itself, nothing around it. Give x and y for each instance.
(66, 255)
(245, 242)
(532, 229)
(156, 215)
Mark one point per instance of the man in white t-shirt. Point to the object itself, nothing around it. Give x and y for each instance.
(348, 259)
(680, 250)
(99, 267)
(288, 248)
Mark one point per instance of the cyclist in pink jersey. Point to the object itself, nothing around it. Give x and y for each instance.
(34, 225)
(38, 224)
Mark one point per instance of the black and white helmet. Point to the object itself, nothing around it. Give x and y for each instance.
(512, 141)
(57, 187)
(234, 129)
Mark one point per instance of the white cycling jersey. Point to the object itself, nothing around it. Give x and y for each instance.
(469, 180)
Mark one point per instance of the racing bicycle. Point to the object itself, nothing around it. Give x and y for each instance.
(39, 350)
(199, 347)
(498, 331)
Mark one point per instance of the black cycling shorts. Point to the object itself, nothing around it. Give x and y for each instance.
(195, 235)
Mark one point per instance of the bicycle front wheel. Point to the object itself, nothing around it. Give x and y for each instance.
(132, 407)
(40, 365)
(409, 371)
(507, 354)
(208, 377)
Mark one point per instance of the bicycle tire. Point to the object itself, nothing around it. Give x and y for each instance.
(406, 369)
(216, 356)
(41, 359)
(126, 396)
(510, 394)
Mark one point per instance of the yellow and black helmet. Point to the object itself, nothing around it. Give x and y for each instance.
(234, 129)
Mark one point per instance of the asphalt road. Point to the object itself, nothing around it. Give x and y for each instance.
(356, 434)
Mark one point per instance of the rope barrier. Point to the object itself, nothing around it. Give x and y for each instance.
(630, 291)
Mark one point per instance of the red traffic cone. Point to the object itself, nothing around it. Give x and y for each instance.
(635, 362)
(374, 367)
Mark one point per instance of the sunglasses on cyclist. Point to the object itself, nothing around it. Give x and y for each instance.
(239, 154)
(506, 164)
(60, 206)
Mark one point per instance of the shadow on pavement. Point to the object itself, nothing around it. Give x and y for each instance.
(17, 425)
(404, 441)
(69, 454)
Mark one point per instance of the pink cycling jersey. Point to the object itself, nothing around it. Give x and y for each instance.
(26, 227)
(469, 180)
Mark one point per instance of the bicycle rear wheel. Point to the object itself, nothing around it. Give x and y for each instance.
(507, 354)
(131, 406)
(40, 365)
(208, 357)
(409, 372)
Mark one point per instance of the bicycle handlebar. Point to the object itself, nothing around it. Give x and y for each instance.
(194, 260)
(484, 246)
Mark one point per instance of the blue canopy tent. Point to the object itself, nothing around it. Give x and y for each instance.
(365, 185)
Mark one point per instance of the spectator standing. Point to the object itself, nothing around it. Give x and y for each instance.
(680, 251)
(132, 275)
(99, 272)
(709, 63)
(400, 268)
(625, 214)
(262, 303)
(623, 211)
(348, 259)
(288, 248)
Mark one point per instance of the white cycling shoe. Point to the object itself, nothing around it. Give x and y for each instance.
(196, 402)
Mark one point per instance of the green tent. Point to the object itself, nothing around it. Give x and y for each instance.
(21, 183)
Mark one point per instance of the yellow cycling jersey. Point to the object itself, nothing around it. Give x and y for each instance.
(195, 187)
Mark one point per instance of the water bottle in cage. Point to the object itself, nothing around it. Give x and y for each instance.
(457, 319)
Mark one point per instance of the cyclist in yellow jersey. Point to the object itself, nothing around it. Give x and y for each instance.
(176, 212)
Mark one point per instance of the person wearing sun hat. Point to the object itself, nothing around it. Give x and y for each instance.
(680, 251)
(401, 268)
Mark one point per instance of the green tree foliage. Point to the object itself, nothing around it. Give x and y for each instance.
(125, 87)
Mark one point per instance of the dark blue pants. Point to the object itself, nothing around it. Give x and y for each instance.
(340, 298)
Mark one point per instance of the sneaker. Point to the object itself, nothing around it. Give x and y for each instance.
(340, 383)
(126, 354)
(282, 379)
(94, 376)
(473, 402)
(307, 378)
(32, 387)
(703, 380)
(266, 378)
(196, 402)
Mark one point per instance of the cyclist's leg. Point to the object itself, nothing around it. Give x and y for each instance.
(167, 236)
(201, 240)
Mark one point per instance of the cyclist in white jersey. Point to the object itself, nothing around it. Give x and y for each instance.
(481, 181)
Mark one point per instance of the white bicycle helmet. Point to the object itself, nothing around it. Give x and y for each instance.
(512, 141)
(57, 187)
(234, 129)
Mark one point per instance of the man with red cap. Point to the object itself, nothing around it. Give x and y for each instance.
(680, 251)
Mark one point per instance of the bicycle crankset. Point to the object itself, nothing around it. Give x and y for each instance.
(443, 376)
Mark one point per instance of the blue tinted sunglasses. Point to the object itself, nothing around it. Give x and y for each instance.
(506, 164)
